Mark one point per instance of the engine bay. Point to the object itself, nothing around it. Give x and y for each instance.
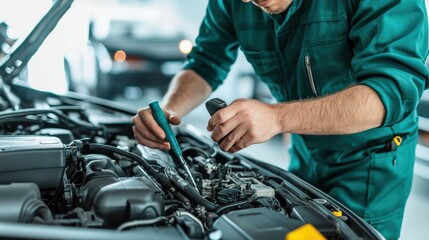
(80, 167)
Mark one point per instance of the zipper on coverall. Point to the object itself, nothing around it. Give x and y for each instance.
(310, 75)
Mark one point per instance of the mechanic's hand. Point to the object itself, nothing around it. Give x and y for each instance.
(147, 132)
(242, 123)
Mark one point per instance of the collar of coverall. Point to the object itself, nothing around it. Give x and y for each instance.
(295, 5)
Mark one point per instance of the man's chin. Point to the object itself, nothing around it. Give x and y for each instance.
(272, 12)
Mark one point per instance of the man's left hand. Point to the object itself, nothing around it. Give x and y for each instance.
(243, 123)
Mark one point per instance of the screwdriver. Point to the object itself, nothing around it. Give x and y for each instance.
(160, 118)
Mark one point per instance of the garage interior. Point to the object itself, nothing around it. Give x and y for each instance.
(107, 25)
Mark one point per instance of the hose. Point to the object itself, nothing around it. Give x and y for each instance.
(188, 189)
(35, 208)
(237, 204)
(100, 148)
(143, 222)
(173, 176)
(69, 122)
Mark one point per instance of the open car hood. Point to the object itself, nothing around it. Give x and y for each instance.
(17, 59)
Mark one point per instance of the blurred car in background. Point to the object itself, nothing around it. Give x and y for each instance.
(422, 151)
(130, 44)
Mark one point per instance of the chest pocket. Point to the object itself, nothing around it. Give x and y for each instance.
(264, 62)
(325, 59)
(266, 66)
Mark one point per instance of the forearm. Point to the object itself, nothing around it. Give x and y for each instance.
(353, 110)
(186, 91)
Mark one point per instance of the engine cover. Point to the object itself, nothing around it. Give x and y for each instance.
(258, 223)
(35, 159)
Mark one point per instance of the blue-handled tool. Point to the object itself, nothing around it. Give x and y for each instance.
(162, 121)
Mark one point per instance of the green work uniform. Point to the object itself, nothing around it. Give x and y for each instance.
(319, 47)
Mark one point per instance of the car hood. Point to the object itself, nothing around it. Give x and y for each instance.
(15, 61)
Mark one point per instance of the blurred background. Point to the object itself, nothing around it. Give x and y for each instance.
(128, 50)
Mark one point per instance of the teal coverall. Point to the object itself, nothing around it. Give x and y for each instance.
(320, 47)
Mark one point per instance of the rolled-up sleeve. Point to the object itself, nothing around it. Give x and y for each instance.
(390, 44)
(216, 45)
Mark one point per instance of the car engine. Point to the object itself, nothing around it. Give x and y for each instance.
(80, 167)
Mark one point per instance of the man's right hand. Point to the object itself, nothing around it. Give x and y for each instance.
(186, 91)
(147, 132)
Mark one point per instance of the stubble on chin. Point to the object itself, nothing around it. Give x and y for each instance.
(280, 9)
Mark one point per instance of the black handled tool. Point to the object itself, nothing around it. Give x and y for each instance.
(214, 105)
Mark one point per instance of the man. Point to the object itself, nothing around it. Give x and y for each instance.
(347, 75)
